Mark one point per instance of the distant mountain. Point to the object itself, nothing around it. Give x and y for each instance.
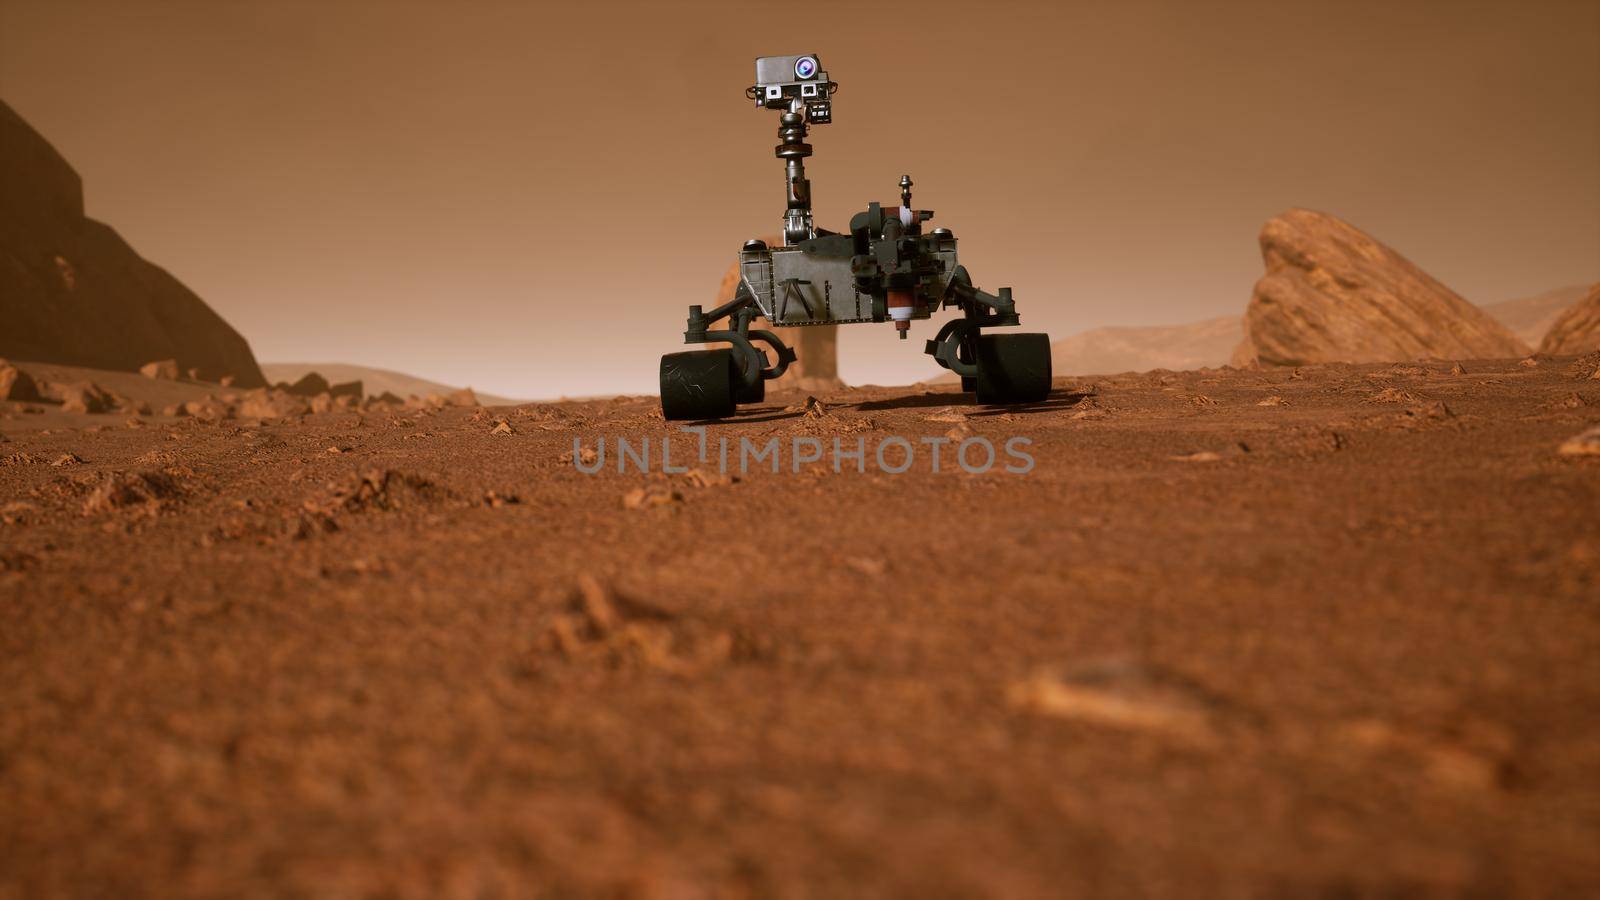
(72, 292)
(373, 381)
(1531, 317)
(1129, 348)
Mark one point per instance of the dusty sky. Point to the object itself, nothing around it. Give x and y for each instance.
(524, 196)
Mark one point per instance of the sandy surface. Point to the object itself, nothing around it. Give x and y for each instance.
(1343, 644)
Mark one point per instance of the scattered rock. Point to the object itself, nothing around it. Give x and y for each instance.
(870, 566)
(1274, 400)
(271, 403)
(463, 397)
(208, 409)
(310, 385)
(17, 386)
(322, 403)
(227, 380)
(67, 459)
(388, 398)
(1479, 756)
(587, 456)
(1393, 395)
(700, 478)
(1202, 401)
(1458, 369)
(623, 632)
(502, 427)
(653, 497)
(17, 512)
(1332, 293)
(1529, 363)
(378, 489)
(174, 410)
(17, 561)
(348, 389)
(947, 414)
(1200, 456)
(162, 368)
(82, 397)
(124, 489)
(1585, 443)
(810, 407)
(1119, 693)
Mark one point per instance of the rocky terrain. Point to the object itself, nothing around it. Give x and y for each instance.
(1297, 632)
(1577, 330)
(73, 292)
(1334, 294)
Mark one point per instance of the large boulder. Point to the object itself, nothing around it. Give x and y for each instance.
(17, 385)
(161, 368)
(1577, 330)
(309, 385)
(73, 292)
(1334, 294)
(816, 347)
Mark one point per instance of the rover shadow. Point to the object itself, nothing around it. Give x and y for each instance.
(1055, 401)
(756, 415)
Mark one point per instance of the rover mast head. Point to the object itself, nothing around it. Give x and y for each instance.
(799, 87)
(796, 84)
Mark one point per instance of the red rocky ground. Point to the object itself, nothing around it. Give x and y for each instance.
(1326, 632)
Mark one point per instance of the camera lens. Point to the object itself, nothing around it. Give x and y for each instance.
(805, 67)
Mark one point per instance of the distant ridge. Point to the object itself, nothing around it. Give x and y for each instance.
(374, 381)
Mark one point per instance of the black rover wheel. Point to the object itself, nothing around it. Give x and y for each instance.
(698, 384)
(1013, 368)
(744, 394)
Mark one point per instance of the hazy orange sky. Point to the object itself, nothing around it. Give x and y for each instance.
(524, 197)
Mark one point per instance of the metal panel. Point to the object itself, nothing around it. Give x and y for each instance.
(813, 289)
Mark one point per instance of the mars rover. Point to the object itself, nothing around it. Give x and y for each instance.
(885, 269)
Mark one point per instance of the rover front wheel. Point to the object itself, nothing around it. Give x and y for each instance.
(1013, 368)
(698, 384)
(744, 394)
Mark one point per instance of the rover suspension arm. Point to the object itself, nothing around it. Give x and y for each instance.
(952, 346)
(740, 312)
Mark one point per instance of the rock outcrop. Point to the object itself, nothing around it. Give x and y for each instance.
(161, 368)
(816, 347)
(73, 292)
(1334, 294)
(1577, 330)
(17, 385)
